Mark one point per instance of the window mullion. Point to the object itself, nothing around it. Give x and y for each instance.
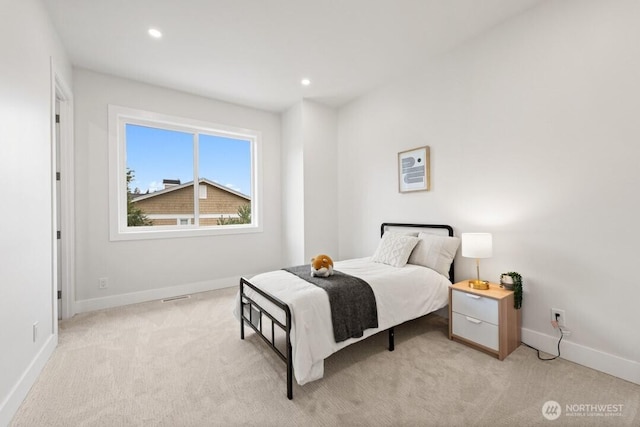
(196, 180)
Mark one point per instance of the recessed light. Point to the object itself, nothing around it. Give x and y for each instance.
(305, 82)
(156, 34)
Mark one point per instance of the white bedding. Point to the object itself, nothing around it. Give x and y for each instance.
(401, 294)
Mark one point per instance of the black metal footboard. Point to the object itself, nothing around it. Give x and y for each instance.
(246, 301)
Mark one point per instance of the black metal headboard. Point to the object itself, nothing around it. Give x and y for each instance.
(437, 226)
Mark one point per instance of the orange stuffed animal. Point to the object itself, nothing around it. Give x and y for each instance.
(321, 266)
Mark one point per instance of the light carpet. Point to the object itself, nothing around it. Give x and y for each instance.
(182, 363)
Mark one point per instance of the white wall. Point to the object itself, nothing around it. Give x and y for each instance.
(534, 136)
(28, 43)
(145, 270)
(320, 126)
(293, 186)
(309, 182)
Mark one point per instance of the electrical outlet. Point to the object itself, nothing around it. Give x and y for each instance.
(557, 314)
(103, 283)
(35, 331)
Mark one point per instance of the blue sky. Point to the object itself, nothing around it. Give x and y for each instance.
(157, 154)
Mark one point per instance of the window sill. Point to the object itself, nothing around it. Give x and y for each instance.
(158, 232)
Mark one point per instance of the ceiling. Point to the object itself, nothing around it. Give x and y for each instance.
(255, 52)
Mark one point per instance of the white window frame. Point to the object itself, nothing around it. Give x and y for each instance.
(119, 117)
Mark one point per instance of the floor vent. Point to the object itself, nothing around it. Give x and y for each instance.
(176, 298)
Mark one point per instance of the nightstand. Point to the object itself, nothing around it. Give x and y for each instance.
(484, 319)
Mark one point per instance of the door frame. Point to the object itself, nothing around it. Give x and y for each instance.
(61, 92)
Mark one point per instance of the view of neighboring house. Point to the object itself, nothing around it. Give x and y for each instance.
(174, 205)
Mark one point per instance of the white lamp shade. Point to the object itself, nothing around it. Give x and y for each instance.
(477, 245)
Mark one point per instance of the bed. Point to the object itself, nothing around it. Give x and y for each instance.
(409, 274)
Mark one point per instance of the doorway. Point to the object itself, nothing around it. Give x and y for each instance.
(58, 209)
(63, 271)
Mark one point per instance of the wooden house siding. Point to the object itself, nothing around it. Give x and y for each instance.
(179, 204)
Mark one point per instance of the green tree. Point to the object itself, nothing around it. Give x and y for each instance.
(135, 215)
(244, 216)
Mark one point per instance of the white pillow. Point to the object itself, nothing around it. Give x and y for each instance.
(435, 252)
(394, 249)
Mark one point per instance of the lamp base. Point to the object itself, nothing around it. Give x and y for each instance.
(482, 285)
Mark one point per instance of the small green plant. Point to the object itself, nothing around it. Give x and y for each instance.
(517, 288)
(244, 217)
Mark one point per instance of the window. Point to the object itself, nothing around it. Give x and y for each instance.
(203, 192)
(155, 162)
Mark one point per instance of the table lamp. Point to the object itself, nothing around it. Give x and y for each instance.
(477, 245)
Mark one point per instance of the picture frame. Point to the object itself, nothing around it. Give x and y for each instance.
(414, 170)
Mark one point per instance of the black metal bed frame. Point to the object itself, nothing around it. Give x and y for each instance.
(247, 302)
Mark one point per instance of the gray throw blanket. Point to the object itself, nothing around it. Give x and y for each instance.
(353, 304)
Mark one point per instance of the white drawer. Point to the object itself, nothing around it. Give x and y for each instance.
(475, 306)
(476, 330)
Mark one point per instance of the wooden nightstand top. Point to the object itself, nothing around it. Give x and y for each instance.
(494, 291)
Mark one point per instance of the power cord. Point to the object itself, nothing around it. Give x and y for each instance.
(555, 324)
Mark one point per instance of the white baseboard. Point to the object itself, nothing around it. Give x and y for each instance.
(93, 304)
(12, 402)
(625, 369)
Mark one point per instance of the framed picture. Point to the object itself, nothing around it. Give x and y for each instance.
(413, 170)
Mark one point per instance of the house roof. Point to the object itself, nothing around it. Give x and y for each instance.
(138, 197)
